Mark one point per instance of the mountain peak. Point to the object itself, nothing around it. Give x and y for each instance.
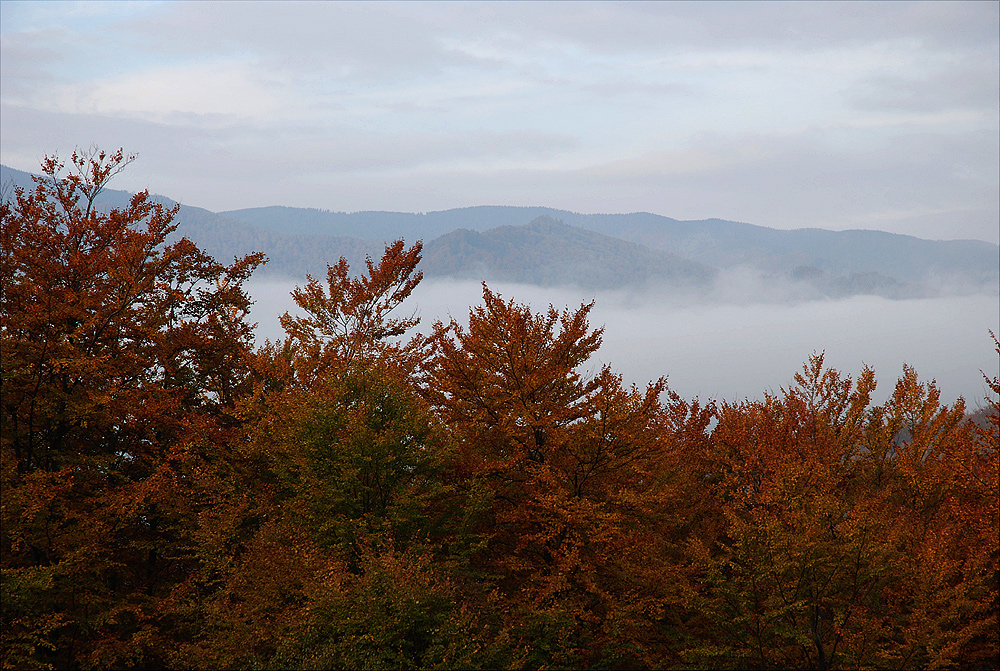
(546, 223)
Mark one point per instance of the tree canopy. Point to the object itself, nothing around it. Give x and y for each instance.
(358, 495)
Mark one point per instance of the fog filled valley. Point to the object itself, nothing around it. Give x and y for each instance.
(734, 343)
(725, 310)
(733, 318)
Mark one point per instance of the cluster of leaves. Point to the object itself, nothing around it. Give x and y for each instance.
(353, 497)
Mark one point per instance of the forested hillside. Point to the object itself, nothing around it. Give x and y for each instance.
(594, 251)
(546, 252)
(714, 242)
(175, 496)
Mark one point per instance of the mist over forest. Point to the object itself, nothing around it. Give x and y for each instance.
(738, 341)
(501, 493)
(725, 310)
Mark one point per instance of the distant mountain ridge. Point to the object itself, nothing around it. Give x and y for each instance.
(548, 252)
(713, 242)
(546, 246)
(289, 254)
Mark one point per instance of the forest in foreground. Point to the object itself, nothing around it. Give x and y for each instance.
(175, 495)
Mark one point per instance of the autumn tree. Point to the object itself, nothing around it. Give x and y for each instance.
(555, 473)
(344, 401)
(348, 321)
(122, 356)
(321, 561)
(939, 479)
(850, 535)
(355, 496)
(793, 564)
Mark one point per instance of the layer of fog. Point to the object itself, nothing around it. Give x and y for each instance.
(745, 337)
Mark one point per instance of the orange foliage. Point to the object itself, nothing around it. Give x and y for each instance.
(121, 356)
(850, 534)
(351, 498)
(557, 475)
(348, 322)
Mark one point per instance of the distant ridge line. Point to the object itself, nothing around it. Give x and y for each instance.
(630, 248)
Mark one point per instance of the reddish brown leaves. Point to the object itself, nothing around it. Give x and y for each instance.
(121, 358)
(349, 320)
(349, 498)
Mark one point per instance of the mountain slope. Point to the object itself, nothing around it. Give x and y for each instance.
(547, 252)
(714, 242)
(491, 242)
(289, 254)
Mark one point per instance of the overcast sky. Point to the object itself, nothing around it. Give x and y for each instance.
(833, 115)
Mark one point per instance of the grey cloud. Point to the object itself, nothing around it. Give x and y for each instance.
(899, 185)
(227, 166)
(388, 41)
(630, 88)
(824, 24)
(189, 163)
(339, 39)
(972, 86)
(649, 26)
(25, 61)
(389, 154)
(432, 153)
(801, 185)
(799, 182)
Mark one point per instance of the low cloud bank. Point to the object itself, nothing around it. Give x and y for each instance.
(743, 338)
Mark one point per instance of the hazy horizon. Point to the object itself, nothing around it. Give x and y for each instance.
(114, 186)
(836, 115)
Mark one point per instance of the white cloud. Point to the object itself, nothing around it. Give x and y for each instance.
(219, 88)
(27, 16)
